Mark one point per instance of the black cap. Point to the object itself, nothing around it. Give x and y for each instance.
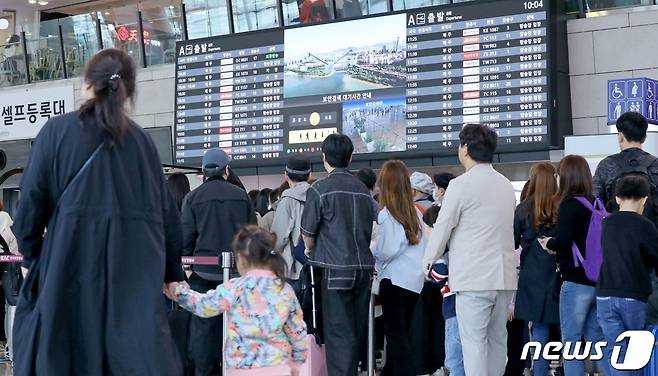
(298, 165)
(215, 161)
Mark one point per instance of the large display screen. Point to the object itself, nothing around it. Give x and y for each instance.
(403, 82)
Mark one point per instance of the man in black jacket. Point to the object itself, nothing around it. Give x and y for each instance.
(211, 215)
(632, 128)
(632, 132)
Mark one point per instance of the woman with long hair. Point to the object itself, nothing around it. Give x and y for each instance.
(537, 296)
(578, 293)
(398, 252)
(91, 303)
(179, 186)
(263, 202)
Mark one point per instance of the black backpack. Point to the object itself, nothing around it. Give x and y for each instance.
(644, 165)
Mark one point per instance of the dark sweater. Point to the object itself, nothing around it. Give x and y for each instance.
(630, 254)
(572, 226)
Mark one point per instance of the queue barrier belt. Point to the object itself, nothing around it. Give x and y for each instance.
(185, 260)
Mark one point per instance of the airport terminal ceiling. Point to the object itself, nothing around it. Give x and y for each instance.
(400, 90)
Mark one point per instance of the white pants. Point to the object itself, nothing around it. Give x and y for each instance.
(482, 318)
(10, 313)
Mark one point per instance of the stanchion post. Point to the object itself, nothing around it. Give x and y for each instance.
(371, 336)
(226, 268)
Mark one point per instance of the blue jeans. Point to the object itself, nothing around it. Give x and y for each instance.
(540, 333)
(578, 320)
(617, 315)
(454, 361)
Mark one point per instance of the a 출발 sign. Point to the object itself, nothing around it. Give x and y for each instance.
(23, 112)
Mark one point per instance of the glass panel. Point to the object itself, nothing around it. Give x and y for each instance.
(571, 6)
(44, 53)
(255, 14)
(12, 65)
(206, 18)
(410, 4)
(306, 11)
(349, 8)
(163, 26)
(594, 5)
(8, 27)
(119, 30)
(374, 6)
(80, 42)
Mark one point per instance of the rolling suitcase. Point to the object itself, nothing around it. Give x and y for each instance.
(652, 368)
(316, 360)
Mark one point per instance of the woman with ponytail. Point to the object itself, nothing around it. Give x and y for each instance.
(91, 302)
(267, 333)
(398, 250)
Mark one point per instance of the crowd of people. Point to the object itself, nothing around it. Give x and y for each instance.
(463, 272)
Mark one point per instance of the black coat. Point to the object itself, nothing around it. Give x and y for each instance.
(212, 215)
(92, 302)
(538, 291)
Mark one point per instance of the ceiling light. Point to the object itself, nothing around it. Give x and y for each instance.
(4, 24)
(107, 13)
(32, 1)
(43, 2)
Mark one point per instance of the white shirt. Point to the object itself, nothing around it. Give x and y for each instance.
(395, 258)
(476, 222)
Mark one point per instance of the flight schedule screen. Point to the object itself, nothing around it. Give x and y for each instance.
(404, 82)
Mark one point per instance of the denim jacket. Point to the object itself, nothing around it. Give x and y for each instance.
(339, 214)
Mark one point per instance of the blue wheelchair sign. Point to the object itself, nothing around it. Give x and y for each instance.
(616, 90)
(650, 89)
(637, 94)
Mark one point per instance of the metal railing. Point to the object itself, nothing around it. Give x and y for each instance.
(148, 31)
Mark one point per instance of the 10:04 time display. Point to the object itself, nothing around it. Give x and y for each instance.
(537, 4)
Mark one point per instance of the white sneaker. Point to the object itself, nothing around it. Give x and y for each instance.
(441, 372)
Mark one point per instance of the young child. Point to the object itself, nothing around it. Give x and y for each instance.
(630, 254)
(454, 360)
(267, 333)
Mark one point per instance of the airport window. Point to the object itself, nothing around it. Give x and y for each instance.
(410, 4)
(163, 26)
(12, 63)
(593, 5)
(206, 18)
(251, 15)
(80, 38)
(119, 29)
(44, 53)
(307, 11)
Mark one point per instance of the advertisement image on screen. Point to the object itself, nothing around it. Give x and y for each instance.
(341, 57)
(402, 83)
(338, 68)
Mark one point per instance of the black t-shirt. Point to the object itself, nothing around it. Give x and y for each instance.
(572, 226)
(630, 254)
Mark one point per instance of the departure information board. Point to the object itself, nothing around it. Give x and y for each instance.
(404, 82)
